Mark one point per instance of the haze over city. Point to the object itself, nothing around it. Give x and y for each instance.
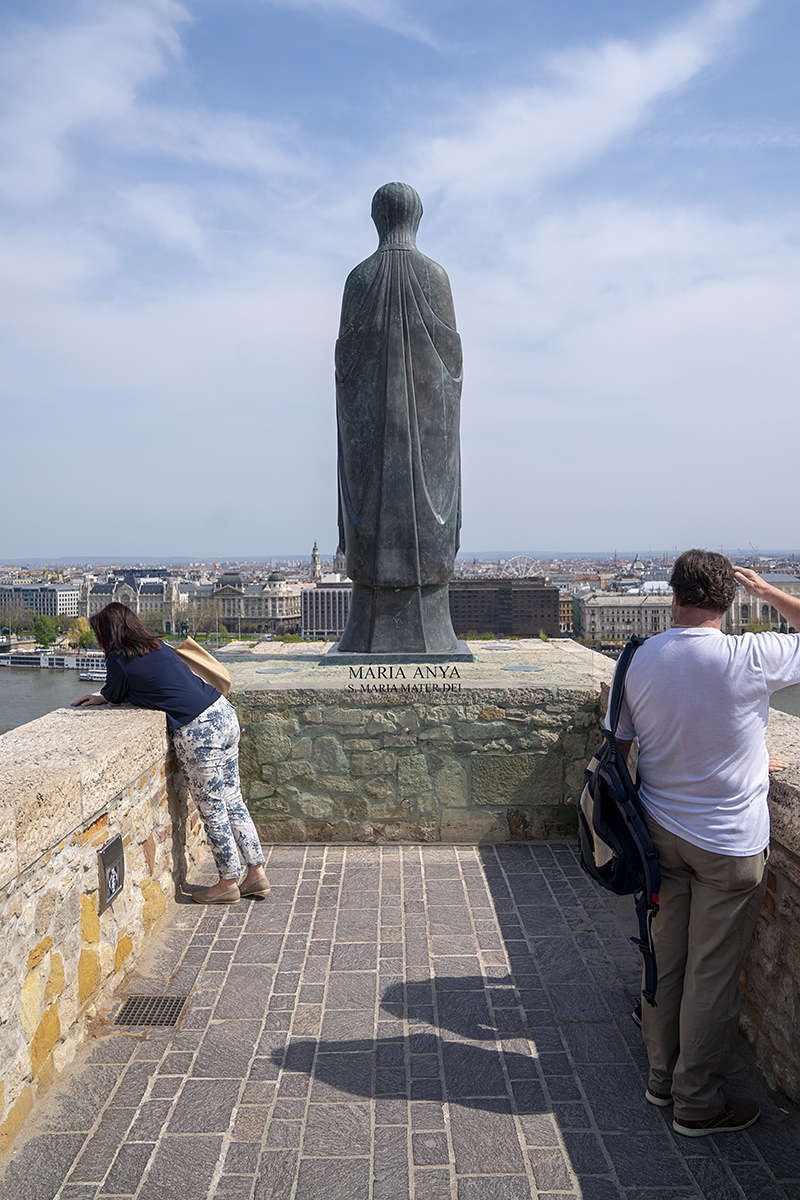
(185, 186)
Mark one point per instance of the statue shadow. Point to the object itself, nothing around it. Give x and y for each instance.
(455, 1046)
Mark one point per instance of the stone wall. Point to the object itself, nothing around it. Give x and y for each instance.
(489, 750)
(771, 980)
(68, 783)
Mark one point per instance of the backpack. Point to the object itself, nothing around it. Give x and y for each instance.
(615, 847)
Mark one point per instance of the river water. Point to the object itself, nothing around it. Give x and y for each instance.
(27, 693)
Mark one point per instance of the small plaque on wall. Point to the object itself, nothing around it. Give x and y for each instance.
(111, 865)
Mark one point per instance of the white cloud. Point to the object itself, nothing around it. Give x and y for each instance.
(60, 82)
(225, 141)
(385, 14)
(512, 143)
(170, 214)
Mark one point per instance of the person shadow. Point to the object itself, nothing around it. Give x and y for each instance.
(466, 1043)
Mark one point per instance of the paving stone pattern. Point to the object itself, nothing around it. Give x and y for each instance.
(439, 1023)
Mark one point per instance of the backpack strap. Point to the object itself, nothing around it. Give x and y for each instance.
(647, 899)
(618, 688)
(645, 913)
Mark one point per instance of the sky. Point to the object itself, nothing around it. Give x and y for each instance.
(186, 184)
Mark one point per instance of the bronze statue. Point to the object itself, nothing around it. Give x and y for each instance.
(398, 393)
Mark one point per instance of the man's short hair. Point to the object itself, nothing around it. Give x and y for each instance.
(703, 579)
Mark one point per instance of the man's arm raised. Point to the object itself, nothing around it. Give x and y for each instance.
(788, 606)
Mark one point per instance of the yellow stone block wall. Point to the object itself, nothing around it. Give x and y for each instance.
(60, 959)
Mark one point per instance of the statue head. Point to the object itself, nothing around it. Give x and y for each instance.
(396, 211)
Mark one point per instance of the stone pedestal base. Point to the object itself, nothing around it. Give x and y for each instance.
(414, 620)
(488, 746)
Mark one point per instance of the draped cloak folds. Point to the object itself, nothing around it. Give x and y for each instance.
(398, 392)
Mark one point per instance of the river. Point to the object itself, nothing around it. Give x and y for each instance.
(27, 693)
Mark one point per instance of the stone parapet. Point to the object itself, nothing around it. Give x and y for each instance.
(771, 980)
(69, 783)
(492, 749)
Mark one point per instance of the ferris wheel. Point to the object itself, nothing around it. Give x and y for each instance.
(521, 566)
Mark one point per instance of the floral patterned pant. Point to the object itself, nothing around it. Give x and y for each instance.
(208, 751)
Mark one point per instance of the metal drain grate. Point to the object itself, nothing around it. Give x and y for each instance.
(151, 1010)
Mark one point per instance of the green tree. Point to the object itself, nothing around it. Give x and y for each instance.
(45, 631)
(757, 626)
(80, 634)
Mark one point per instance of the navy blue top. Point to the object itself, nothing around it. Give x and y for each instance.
(159, 680)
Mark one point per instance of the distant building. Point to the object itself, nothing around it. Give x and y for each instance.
(144, 594)
(506, 607)
(250, 608)
(43, 599)
(565, 615)
(316, 566)
(612, 617)
(325, 609)
(260, 608)
(746, 608)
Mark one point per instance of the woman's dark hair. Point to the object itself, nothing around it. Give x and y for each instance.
(117, 628)
(703, 579)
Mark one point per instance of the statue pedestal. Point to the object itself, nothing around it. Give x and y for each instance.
(385, 748)
(343, 658)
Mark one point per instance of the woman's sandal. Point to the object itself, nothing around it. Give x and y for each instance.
(231, 896)
(259, 888)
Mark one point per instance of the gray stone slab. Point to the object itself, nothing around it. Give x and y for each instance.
(432, 1184)
(333, 1179)
(284, 1134)
(484, 1143)
(76, 1108)
(471, 1071)
(36, 1170)
(100, 1149)
(182, 1168)
(276, 1175)
(226, 1049)
(244, 993)
(234, 1187)
(616, 1097)
(204, 1107)
(339, 1073)
(150, 1120)
(646, 1159)
(430, 1149)
(128, 1168)
(500, 1187)
(338, 1130)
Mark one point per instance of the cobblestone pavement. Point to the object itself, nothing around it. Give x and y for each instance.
(441, 1023)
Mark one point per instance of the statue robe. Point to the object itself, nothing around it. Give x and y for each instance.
(398, 389)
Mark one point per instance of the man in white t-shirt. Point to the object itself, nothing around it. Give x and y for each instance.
(698, 703)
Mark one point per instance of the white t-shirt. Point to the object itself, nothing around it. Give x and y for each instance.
(698, 701)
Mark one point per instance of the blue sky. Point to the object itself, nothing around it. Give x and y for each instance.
(612, 188)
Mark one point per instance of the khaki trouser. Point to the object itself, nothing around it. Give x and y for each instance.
(709, 908)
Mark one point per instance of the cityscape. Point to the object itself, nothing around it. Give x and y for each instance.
(600, 599)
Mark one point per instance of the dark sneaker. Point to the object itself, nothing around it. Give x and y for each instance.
(660, 1099)
(736, 1115)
